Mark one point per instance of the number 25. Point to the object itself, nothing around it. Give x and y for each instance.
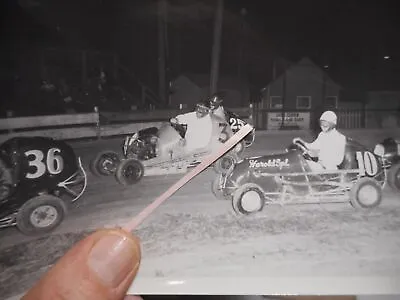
(54, 163)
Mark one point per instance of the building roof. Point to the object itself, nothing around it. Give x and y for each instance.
(305, 61)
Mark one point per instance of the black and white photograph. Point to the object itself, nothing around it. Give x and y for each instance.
(107, 106)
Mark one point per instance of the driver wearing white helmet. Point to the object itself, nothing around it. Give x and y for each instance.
(329, 146)
(199, 127)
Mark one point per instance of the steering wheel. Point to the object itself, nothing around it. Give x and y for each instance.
(306, 152)
(302, 147)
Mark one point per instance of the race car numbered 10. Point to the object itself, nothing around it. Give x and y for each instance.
(367, 163)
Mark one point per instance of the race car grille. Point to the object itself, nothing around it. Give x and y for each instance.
(9, 220)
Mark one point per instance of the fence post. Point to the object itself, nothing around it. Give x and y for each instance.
(98, 127)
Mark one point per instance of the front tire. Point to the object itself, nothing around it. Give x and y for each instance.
(366, 193)
(40, 215)
(129, 172)
(216, 188)
(248, 199)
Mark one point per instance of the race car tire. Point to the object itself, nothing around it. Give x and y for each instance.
(97, 165)
(248, 199)
(216, 190)
(222, 165)
(363, 190)
(129, 172)
(393, 177)
(28, 225)
(249, 139)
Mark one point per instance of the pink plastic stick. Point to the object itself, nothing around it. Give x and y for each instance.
(203, 165)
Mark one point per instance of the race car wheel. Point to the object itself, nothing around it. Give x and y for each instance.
(217, 189)
(222, 165)
(129, 172)
(394, 177)
(248, 199)
(105, 163)
(41, 214)
(366, 193)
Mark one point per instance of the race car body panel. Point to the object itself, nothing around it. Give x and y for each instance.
(39, 166)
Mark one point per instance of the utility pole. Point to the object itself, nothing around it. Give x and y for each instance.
(162, 10)
(216, 49)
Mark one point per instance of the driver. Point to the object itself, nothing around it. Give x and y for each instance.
(199, 127)
(216, 107)
(329, 146)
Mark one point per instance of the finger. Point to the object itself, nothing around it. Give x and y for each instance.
(101, 266)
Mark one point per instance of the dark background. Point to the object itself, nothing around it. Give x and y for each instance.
(351, 37)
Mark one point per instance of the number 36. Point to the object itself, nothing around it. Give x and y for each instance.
(54, 163)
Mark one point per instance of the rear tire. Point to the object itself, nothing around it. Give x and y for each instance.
(105, 163)
(366, 193)
(49, 207)
(393, 177)
(129, 172)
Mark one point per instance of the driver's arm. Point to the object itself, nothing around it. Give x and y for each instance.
(316, 145)
(183, 119)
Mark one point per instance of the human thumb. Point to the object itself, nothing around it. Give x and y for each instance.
(101, 266)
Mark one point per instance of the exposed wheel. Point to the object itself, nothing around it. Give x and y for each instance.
(394, 177)
(248, 199)
(105, 163)
(216, 187)
(129, 172)
(222, 165)
(41, 214)
(249, 139)
(366, 193)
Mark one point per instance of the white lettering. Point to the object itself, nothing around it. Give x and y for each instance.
(271, 163)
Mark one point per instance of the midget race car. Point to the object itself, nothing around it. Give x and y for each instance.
(287, 177)
(160, 151)
(40, 179)
(389, 150)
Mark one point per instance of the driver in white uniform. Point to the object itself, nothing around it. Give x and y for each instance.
(216, 107)
(199, 127)
(329, 146)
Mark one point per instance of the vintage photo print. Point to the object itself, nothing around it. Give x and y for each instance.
(119, 115)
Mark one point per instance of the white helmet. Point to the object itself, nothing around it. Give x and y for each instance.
(329, 116)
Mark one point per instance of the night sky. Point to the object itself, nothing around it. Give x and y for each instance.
(352, 37)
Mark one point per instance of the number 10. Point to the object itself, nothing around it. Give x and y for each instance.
(367, 163)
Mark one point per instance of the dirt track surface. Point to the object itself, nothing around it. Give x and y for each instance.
(195, 235)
